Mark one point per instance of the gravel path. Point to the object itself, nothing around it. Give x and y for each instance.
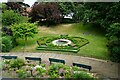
(106, 69)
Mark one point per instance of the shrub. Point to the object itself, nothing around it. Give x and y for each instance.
(23, 73)
(75, 68)
(59, 69)
(82, 75)
(6, 43)
(113, 31)
(114, 48)
(10, 17)
(16, 63)
(114, 42)
(41, 70)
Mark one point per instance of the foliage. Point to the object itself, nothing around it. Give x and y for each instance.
(11, 17)
(23, 73)
(16, 63)
(45, 43)
(66, 7)
(101, 13)
(18, 6)
(6, 61)
(78, 73)
(3, 6)
(56, 70)
(104, 14)
(13, 6)
(6, 31)
(79, 12)
(114, 41)
(45, 12)
(24, 30)
(6, 43)
(41, 70)
(75, 68)
(114, 31)
(59, 69)
(82, 75)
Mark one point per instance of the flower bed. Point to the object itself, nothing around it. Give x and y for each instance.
(46, 43)
(35, 70)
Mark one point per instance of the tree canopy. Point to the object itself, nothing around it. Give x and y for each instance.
(24, 30)
(47, 12)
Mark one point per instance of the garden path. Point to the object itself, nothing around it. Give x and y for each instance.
(105, 69)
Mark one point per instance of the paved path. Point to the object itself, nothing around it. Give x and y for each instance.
(107, 69)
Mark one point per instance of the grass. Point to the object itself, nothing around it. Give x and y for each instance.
(96, 48)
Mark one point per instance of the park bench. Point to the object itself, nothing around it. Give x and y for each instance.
(33, 59)
(56, 60)
(82, 66)
(9, 57)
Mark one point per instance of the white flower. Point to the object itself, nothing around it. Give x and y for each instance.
(76, 72)
(38, 66)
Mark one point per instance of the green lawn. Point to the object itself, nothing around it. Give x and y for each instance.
(96, 48)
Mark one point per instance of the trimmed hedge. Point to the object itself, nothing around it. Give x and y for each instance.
(45, 43)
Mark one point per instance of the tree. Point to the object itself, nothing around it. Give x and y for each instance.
(66, 7)
(17, 6)
(14, 6)
(10, 17)
(24, 30)
(3, 6)
(104, 14)
(45, 12)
